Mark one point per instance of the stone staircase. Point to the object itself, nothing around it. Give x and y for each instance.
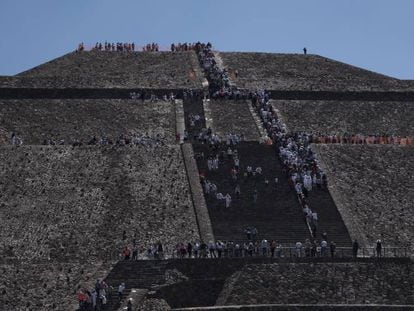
(329, 218)
(193, 106)
(276, 214)
(135, 274)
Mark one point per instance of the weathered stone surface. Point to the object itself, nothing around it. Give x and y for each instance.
(233, 117)
(373, 188)
(74, 203)
(335, 283)
(352, 117)
(200, 206)
(69, 119)
(46, 286)
(303, 72)
(116, 69)
(154, 305)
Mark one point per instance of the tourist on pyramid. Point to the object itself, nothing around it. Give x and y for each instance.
(332, 248)
(121, 289)
(307, 182)
(254, 233)
(248, 233)
(126, 252)
(190, 250)
(298, 249)
(264, 246)
(378, 248)
(254, 196)
(324, 248)
(228, 200)
(237, 191)
(355, 247)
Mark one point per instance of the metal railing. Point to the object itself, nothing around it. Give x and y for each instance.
(279, 252)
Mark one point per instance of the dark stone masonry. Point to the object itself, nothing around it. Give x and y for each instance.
(304, 73)
(88, 170)
(37, 120)
(233, 117)
(374, 187)
(339, 283)
(158, 70)
(351, 117)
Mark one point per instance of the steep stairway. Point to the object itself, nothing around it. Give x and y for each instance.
(276, 214)
(135, 274)
(193, 106)
(329, 218)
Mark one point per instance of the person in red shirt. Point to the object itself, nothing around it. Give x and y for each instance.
(126, 252)
(82, 299)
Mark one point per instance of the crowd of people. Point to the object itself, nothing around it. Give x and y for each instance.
(213, 162)
(180, 47)
(151, 47)
(97, 298)
(251, 247)
(218, 78)
(151, 97)
(119, 47)
(298, 161)
(361, 139)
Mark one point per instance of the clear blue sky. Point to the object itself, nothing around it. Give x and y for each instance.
(373, 34)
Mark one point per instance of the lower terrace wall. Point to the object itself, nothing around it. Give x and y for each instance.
(321, 283)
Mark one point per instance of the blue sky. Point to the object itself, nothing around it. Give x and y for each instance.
(373, 34)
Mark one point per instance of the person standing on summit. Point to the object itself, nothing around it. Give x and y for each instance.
(305, 51)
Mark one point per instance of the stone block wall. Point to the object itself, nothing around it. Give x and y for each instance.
(70, 119)
(46, 286)
(63, 203)
(233, 117)
(352, 117)
(123, 70)
(303, 72)
(373, 188)
(320, 283)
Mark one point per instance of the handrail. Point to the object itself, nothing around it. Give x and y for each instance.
(279, 252)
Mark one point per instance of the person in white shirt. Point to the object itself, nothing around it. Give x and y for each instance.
(298, 249)
(236, 163)
(121, 289)
(307, 182)
(228, 200)
(215, 163)
(298, 188)
(315, 218)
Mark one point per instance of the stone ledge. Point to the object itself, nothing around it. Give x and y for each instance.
(200, 206)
